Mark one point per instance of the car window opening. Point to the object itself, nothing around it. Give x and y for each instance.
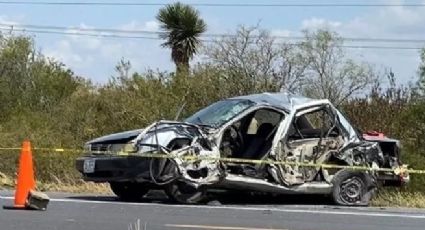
(315, 124)
(251, 137)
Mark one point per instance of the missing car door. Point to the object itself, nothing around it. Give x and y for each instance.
(312, 136)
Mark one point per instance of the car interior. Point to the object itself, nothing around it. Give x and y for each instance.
(312, 137)
(315, 124)
(251, 137)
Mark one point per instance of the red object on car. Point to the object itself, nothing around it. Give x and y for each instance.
(373, 135)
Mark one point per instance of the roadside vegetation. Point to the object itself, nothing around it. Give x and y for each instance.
(43, 100)
(392, 198)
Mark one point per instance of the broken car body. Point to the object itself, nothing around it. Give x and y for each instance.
(271, 127)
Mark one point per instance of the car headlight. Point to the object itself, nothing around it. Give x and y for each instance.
(125, 149)
(130, 148)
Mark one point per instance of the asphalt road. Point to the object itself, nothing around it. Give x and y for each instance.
(72, 211)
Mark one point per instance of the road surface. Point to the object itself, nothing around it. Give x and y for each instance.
(74, 211)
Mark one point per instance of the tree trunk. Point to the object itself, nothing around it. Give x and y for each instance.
(181, 61)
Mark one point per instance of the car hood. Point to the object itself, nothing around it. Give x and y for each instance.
(117, 136)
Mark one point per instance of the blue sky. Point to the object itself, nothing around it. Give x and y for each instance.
(95, 58)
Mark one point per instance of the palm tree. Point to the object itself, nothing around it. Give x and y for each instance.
(182, 27)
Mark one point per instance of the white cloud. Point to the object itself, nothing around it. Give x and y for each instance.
(387, 22)
(395, 21)
(281, 33)
(318, 23)
(392, 22)
(146, 26)
(88, 42)
(14, 20)
(152, 25)
(95, 57)
(6, 20)
(63, 51)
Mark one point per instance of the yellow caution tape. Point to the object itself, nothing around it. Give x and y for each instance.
(401, 170)
(14, 148)
(398, 171)
(44, 149)
(58, 150)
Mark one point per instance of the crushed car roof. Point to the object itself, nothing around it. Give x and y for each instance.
(281, 100)
(287, 101)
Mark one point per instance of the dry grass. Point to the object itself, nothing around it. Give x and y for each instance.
(5, 181)
(78, 186)
(399, 199)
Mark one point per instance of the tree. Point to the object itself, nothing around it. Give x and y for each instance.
(254, 62)
(330, 73)
(317, 66)
(30, 81)
(421, 71)
(182, 28)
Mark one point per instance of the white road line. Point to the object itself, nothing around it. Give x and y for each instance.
(323, 212)
(186, 226)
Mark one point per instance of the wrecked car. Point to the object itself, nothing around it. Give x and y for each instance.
(268, 143)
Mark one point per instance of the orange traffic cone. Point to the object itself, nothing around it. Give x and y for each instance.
(26, 181)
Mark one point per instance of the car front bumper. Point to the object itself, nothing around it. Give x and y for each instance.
(115, 168)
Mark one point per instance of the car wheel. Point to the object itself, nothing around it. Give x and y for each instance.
(352, 188)
(129, 191)
(182, 192)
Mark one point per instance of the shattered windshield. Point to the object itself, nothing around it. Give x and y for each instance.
(219, 113)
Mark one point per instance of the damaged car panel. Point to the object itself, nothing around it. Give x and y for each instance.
(273, 127)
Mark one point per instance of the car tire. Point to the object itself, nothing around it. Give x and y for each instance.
(184, 193)
(129, 191)
(352, 188)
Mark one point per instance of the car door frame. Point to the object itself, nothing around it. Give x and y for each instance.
(285, 124)
(276, 152)
(218, 135)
